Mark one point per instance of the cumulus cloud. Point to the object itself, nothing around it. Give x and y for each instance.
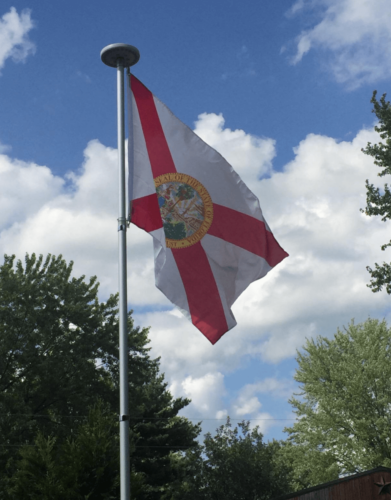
(252, 397)
(253, 154)
(248, 404)
(276, 387)
(24, 188)
(14, 40)
(312, 207)
(206, 393)
(247, 409)
(76, 217)
(354, 37)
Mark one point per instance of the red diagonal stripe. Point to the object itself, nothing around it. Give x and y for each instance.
(158, 151)
(145, 213)
(246, 232)
(203, 297)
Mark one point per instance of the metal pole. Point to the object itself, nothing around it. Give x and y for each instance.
(123, 300)
(122, 56)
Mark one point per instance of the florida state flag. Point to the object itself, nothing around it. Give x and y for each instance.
(210, 238)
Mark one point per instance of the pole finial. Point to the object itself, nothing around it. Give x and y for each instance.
(111, 53)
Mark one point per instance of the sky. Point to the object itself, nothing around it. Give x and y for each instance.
(282, 90)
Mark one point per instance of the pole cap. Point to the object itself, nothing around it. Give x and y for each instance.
(111, 53)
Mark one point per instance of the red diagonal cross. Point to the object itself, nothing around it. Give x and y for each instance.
(232, 226)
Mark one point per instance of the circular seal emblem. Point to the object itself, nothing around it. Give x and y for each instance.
(186, 209)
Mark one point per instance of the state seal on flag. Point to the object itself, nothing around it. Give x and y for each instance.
(186, 209)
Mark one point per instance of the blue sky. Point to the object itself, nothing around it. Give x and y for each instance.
(282, 90)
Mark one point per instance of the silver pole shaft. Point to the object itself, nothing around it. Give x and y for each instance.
(120, 56)
(123, 302)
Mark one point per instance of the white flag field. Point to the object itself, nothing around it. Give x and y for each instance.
(210, 238)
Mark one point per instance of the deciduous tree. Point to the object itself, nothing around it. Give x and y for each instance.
(344, 406)
(234, 464)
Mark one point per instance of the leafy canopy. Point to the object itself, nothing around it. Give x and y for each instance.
(83, 466)
(240, 466)
(344, 407)
(59, 358)
(379, 200)
(234, 464)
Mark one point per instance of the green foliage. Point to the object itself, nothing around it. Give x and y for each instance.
(185, 192)
(188, 481)
(379, 201)
(174, 230)
(344, 406)
(234, 464)
(307, 464)
(59, 357)
(239, 466)
(52, 329)
(84, 466)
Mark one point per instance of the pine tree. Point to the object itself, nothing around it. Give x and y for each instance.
(59, 357)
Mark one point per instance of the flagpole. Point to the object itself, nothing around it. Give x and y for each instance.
(120, 56)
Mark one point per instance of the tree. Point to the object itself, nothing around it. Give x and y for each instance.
(307, 465)
(59, 356)
(234, 464)
(379, 201)
(188, 482)
(184, 192)
(84, 466)
(344, 407)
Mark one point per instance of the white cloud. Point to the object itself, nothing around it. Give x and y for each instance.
(247, 408)
(276, 387)
(24, 189)
(14, 41)
(296, 7)
(313, 209)
(247, 405)
(253, 154)
(354, 37)
(222, 415)
(79, 222)
(205, 392)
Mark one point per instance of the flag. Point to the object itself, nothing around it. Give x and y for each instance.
(210, 238)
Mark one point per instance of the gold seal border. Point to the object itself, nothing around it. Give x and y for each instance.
(208, 207)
